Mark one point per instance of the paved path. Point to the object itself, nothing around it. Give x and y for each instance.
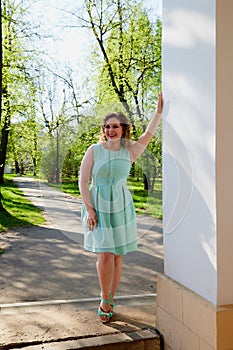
(48, 262)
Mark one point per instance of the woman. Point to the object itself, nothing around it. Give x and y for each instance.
(108, 213)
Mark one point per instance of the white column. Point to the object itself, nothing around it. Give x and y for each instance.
(195, 296)
(189, 135)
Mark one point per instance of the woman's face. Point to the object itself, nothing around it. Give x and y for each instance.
(113, 129)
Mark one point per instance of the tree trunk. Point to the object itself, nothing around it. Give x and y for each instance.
(17, 167)
(146, 182)
(3, 148)
(4, 138)
(152, 184)
(2, 209)
(34, 166)
(154, 176)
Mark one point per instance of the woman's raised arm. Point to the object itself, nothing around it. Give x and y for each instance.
(137, 148)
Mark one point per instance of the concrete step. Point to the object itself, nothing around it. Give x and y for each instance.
(63, 325)
(137, 340)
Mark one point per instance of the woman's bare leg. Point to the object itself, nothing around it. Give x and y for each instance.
(105, 269)
(116, 277)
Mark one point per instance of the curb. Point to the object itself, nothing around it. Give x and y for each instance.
(85, 303)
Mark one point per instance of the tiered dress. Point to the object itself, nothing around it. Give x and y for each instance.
(117, 230)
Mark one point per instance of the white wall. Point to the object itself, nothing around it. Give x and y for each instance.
(189, 82)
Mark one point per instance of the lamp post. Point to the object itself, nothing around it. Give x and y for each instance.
(57, 153)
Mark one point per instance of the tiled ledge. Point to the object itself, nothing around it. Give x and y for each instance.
(188, 321)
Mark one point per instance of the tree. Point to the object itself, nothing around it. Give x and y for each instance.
(75, 102)
(18, 90)
(130, 51)
(56, 143)
(24, 146)
(149, 165)
(88, 133)
(2, 209)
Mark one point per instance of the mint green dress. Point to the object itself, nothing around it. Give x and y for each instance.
(117, 230)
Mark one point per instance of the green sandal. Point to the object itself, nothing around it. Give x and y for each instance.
(102, 313)
(111, 302)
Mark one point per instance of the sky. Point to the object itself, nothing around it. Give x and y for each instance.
(71, 44)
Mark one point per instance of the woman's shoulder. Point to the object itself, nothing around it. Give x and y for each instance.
(95, 148)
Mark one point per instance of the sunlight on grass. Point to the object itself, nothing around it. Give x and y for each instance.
(20, 211)
(147, 203)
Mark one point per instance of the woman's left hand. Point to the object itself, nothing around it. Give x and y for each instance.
(92, 220)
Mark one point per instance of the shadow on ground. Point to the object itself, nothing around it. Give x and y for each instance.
(41, 263)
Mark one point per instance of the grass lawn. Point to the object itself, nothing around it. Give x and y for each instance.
(20, 211)
(145, 202)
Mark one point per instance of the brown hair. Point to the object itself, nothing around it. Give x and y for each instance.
(126, 127)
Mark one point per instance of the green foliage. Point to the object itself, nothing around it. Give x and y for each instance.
(88, 133)
(24, 146)
(132, 59)
(56, 152)
(149, 163)
(18, 86)
(48, 159)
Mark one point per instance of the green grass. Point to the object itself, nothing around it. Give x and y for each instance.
(67, 185)
(19, 210)
(145, 202)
